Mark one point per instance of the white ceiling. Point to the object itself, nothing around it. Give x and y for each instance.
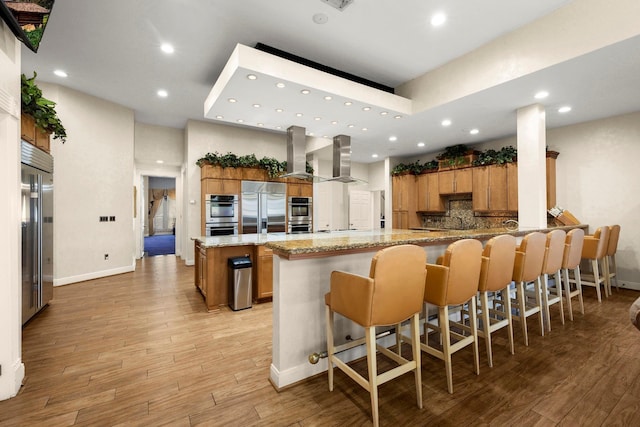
(111, 49)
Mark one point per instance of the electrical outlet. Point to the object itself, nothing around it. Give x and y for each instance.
(106, 257)
(112, 218)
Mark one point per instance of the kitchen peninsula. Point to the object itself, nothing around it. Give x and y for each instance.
(302, 265)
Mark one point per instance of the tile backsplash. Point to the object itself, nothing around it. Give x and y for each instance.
(460, 215)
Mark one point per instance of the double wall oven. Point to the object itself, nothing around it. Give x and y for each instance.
(221, 213)
(300, 215)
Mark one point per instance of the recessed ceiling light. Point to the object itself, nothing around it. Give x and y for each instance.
(317, 119)
(420, 144)
(474, 131)
(60, 73)
(240, 121)
(256, 105)
(320, 18)
(334, 122)
(446, 122)
(310, 133)
(232, 100)
(397, 117)
(260, 125)
(305, 91)
(348, 103)
(163, 93)
(279, 110)
(375, 156)
(325, 136)
(278, 127)
(365, 129)
(351, 126)
(393, 138)
(280, 85)
(366, 108)
(252, 76)
(564, 109)
(438, 19)
(384, 113)
(298, 114)
(328, 98)
(219, 117)
(160, 161)
(541, 95)
(166, 48)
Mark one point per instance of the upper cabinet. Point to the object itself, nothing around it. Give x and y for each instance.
(490, 188)
(455, 181)
(220, 186)
(429, 199)
(299, 188)
(404, 202)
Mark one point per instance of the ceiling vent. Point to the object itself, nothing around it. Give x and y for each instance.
(339, 4)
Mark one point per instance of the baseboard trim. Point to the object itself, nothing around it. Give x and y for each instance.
(190, 262)
(625, 284)
(13, 381)
(94, 275)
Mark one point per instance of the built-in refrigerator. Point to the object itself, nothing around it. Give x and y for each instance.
(263, 207)
(37, 230)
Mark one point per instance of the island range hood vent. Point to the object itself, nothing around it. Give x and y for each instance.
(342, 160)
(296, 155)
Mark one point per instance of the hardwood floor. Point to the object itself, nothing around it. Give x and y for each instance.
(140, 349)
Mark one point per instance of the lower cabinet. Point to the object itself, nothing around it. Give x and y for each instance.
(263, 277)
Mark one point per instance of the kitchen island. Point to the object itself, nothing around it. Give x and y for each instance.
(302, 266)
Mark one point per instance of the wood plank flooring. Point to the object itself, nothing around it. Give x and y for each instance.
(139, 349)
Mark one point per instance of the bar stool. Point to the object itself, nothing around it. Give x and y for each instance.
(554, 250)
(528, 268)
(392, 293)
(454, 281)
(610, 259)
(571, 261)
(594, 249)
(496, 270)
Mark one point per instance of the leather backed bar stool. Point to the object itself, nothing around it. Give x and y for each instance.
(554, 250)
(496, 270)
(594, 250)
(392, 293)
(610, 259)
(528, 269)
(454, 281)
(571, 261)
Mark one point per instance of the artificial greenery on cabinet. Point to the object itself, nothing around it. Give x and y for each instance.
(41, 109)
(274, 167)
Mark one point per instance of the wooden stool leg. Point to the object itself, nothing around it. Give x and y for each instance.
(330, 347)
(522, 309)
(559, 295)
(473, 324)
(415, 347)
(443, 320)
(486, 326)
(504, 294)
(596, 277)
(399, 339)
(567, 291)
(544, 284)
(537, 285)
(576, 273)
(370, 338)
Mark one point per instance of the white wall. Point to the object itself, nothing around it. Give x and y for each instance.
(10, 238)
(93, 174)
(202, 138)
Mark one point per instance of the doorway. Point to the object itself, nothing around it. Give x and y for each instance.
(160, 218)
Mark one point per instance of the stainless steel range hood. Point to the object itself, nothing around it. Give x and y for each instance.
(342, 160)
(296, 155)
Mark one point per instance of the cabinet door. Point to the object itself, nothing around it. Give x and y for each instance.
(498, 188)
(429, 194)
(512, 187)
(400, 220)
(222, 186)
(551, 182)
(446, 181)
(463, 181)
(480, 193)
(263, 285)
(306, 190)
(400, 192)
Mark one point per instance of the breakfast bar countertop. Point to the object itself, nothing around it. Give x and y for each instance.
(307, 245)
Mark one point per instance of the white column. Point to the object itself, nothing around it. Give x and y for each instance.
(532, 178)
(10, 240)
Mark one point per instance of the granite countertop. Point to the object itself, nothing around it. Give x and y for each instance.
(308, 244)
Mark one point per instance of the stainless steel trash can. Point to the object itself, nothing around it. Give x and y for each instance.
(239, 282)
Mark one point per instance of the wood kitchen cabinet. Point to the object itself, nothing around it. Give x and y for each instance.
(221, 186)
(299, 188)
(551, 178)
(403, 191)
(512, 187)
(429, 199)
(490, 188)
(456, 181)
(263, 276)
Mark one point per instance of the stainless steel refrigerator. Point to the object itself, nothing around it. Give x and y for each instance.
(37, 230)
(263, 207)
